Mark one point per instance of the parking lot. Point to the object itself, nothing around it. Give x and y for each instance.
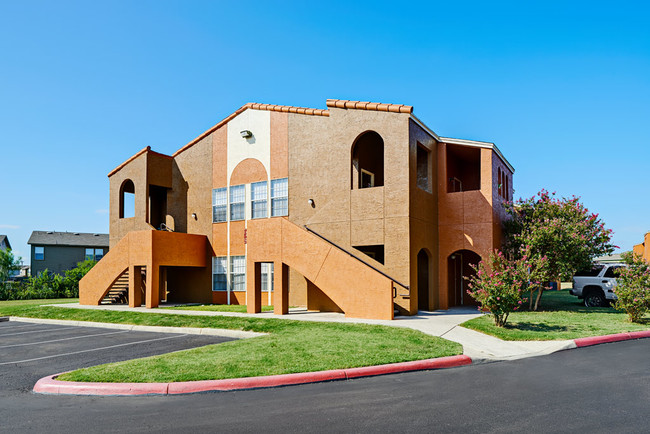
(30, 351)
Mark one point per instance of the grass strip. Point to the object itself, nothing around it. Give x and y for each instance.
(240, 308)
(291, 346)
(563, 316)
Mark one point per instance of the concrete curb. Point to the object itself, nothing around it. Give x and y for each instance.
(50, 385)
(239, 334)
(596, 340)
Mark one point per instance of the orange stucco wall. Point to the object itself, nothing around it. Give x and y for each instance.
(315, 153)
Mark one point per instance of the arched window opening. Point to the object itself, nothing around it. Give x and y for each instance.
(127, 199)
(368, 161)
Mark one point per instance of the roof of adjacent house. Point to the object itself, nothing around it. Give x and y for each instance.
(52, 238)
(6, 240)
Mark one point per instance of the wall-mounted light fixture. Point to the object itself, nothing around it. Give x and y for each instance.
(311, 203)
(194, 215)
(247, 134)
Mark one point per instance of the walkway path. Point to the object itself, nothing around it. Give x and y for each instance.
(441, 323)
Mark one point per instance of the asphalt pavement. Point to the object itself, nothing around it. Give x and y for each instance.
(604, 388)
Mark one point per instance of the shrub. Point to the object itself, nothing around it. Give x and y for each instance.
(633, 287)
(48, 285)
(500, 284)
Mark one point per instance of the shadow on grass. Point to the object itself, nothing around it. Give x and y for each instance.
(562, 301)
(536, 327)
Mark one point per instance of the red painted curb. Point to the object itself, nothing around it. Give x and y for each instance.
(596, 340)
(50, 385)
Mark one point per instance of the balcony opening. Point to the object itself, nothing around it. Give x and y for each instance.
(157, 206)
(423, 168)
(368, 161)
(127, 199)
(376, 252)
(463, 168)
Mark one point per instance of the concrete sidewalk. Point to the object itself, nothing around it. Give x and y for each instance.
(478, 346)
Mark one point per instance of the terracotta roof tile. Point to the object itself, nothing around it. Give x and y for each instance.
(255, 106)
(364, 105)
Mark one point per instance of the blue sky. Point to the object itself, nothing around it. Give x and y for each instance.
(562, 88)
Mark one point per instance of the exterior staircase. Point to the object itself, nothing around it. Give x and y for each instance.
(119, 291)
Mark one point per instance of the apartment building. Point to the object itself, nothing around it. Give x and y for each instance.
(359, 208)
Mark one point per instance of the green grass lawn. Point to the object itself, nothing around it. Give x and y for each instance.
(291, 346)
(219, 308)
(562, 316)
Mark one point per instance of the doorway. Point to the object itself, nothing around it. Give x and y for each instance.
(423, 281)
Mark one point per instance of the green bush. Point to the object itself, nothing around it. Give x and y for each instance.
(48, 285)
(633, 287)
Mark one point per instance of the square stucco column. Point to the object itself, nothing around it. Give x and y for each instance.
(135, 286)
(281, 288)
(153, 286)
(254, 287)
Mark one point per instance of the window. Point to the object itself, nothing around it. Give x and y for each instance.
(463, 168)
(39, 253)
(375, 252)
(279, 197)
(612, 271)
(237, 202)
(99, 254)
(367, 179)
(127, 199)
(423, 178)
(90, 254)
(594, 271)
(238, 273)
(267, 276)
(219, 270)
(219, 205)
(258, 200)
(368, 161)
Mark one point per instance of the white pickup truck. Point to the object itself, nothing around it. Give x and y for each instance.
(596, 286)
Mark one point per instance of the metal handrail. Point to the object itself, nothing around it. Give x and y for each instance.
(357, 258)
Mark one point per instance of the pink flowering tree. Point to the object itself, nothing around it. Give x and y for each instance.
(500, 284)
(562, 230)
(633, 287)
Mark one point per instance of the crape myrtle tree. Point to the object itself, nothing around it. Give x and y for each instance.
(562, 230)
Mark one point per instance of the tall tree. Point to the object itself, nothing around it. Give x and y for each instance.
(562, 230)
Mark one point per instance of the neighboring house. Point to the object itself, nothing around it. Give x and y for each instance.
(4, 243)
(359, 208)
(643, 249)
(60, 251)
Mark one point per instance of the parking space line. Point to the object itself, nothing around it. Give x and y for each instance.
(92, 349)
(63, 339)
(11, 327)
(36, 331)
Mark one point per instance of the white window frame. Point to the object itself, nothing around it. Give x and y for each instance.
(372, 178)
(261, 198)
(276, 196)
(219, 264)
(220, 200)
(238, 270)
(235, 189)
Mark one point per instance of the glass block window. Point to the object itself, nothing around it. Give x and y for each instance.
(219, 205)
(237, 202)
(39, 253)
(219, 273)
(238, 273)
(258, 200)
(90, 254)
(99, 254)
(279, 197)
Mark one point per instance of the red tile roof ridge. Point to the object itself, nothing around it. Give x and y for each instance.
(365, 105)
(255, 106)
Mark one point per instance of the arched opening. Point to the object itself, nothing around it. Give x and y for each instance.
(458, 271)
(424, 298)
(127, 199)
(368, 161)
